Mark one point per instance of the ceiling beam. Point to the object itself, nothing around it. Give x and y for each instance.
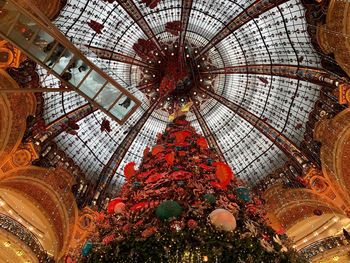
(310, 74)
(185, 17)
(130, 7)
(281, 141)
(109, 170)
(210, 137)
(58, 126)
(111, 55)
(253, 11)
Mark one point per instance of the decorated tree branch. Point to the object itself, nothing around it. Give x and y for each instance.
(184, 205)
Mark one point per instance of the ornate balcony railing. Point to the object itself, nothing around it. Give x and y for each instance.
(322, 245)
(17, 229)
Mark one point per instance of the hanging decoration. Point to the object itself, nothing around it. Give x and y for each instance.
(173, 27)
(96, 26)
(105, 125)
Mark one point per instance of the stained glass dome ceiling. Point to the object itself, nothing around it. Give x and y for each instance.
(278, 36)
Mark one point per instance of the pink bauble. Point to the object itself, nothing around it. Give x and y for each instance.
(223, 220)
(119, 208)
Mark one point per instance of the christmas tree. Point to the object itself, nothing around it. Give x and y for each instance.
(183, 204)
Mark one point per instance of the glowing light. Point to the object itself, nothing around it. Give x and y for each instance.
(335, 258)
(7, 244)
(2, 203)
(19, 253)
(205, 258)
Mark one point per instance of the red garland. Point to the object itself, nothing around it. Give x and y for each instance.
(139, 206)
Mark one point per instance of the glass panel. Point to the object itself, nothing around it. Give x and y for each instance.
(8, 15)
(108, 96)
(23, 31)
(77, 71)
(54, 51)
(41, 45)
(61, 58)
(92, 84)
(122, 107)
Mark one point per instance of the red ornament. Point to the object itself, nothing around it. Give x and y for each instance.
(181, 136)
(149, 231)
(202, 143)
(108, 239)
(139, 206)
(223, 173)
(129, 170)
(154, 178)
(206, 167)
(170, 158)
(180, 175)
(126, 228)
(192, 224)
(112, 204)
(158, 149)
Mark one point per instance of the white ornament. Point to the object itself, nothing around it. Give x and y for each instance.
(223, 220)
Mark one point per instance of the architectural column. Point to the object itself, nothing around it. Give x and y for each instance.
(253, 11)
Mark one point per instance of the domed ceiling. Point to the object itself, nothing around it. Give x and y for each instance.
(277, 36)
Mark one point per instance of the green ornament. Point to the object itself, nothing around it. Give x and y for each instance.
(137, 184)
(210, 161)
(168, 209)
(175, 168)
(210, 198)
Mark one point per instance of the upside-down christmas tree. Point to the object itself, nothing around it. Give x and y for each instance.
(184, 204)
